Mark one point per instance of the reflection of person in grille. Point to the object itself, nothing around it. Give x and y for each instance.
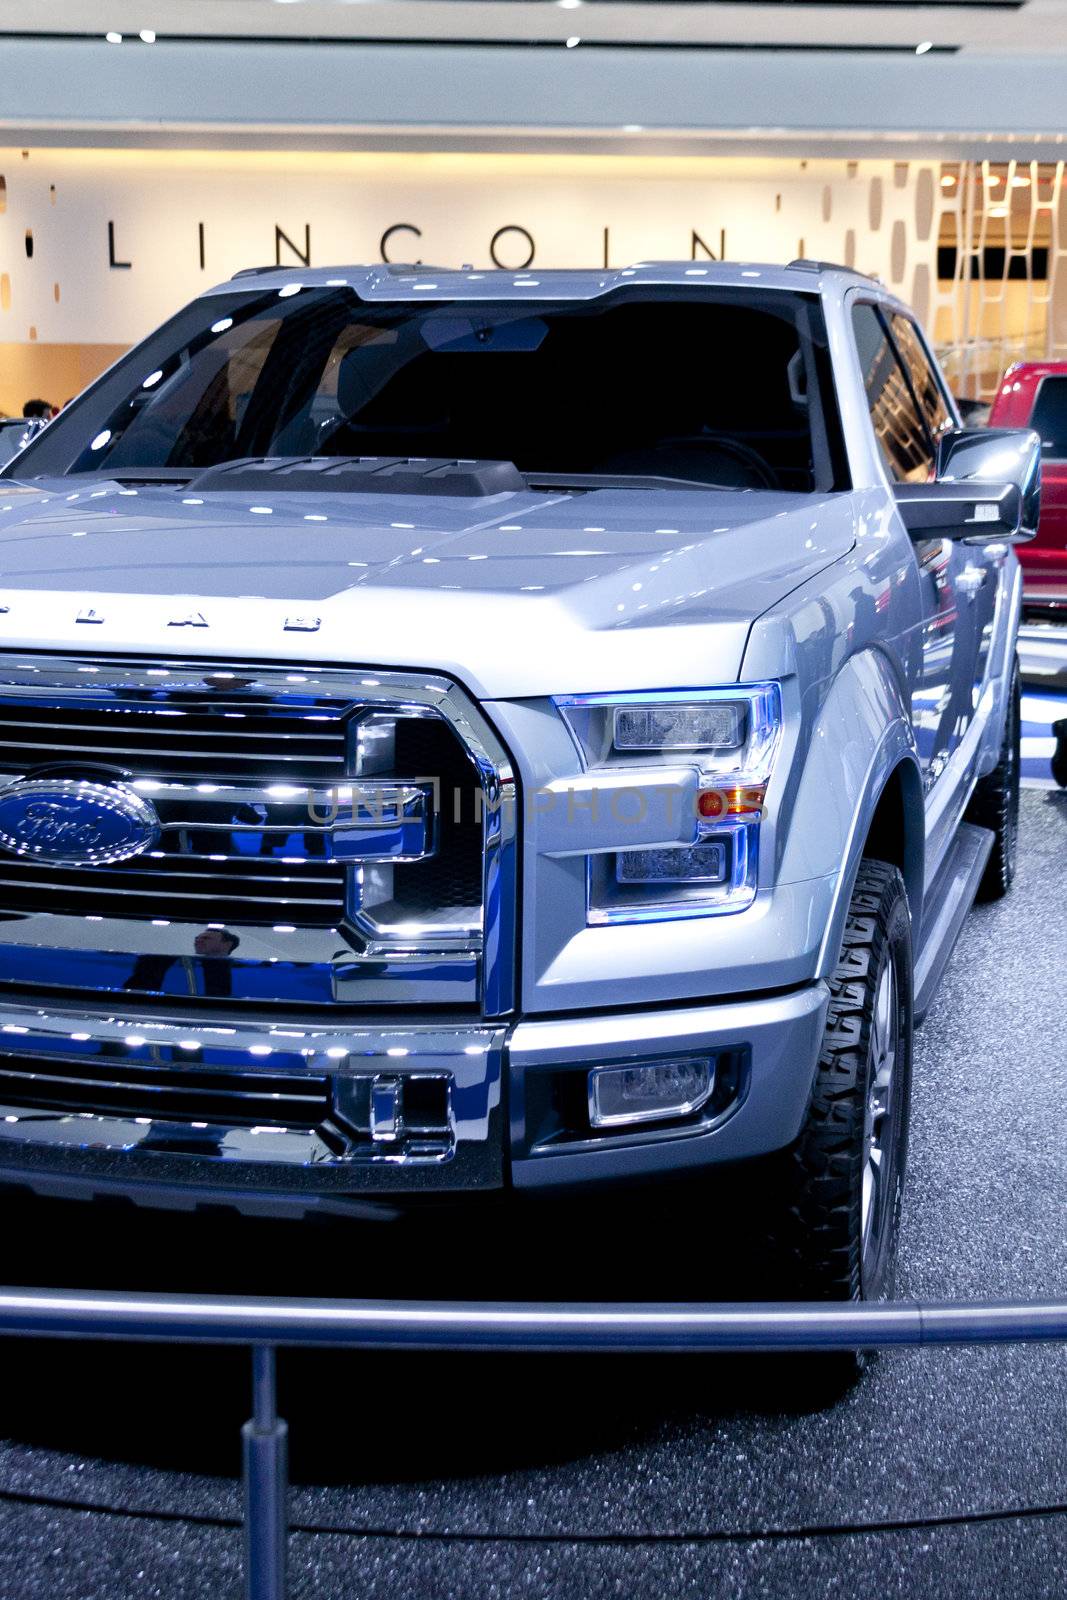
(312, 844)
(213, 946)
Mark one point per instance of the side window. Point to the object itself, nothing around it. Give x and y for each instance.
(1050, 418)
(906, 444)
(924, 382)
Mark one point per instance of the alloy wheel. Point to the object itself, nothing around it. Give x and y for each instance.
(879, 1130)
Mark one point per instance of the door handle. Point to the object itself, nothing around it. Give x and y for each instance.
(970, 580)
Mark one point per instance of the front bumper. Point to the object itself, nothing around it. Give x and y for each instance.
(373, 1111)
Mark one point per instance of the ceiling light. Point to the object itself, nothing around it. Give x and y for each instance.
(147, 35)
(921, 49)
(569, 5)
(947, 181)
(1020, 183)
(998, 211)
(572, 41)
(113, 38)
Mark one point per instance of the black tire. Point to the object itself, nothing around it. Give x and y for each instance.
(1059, 758)
(995, 803)
(836, 1215)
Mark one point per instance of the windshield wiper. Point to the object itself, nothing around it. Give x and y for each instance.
(153, 474)
(149, 475)
(619, 480)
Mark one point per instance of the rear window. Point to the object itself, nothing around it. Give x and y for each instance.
(1050, 418)
(714, 386)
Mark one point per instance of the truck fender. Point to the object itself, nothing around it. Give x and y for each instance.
(861, 770)
(1002, 662)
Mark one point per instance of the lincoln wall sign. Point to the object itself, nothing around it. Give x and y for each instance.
(151, 229)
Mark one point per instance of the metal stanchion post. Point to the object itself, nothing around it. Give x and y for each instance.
(265, 1441)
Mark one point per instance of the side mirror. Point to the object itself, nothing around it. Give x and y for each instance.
(987, 487)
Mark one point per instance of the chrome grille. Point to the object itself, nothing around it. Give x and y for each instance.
(181, 1094)
(175, 886)
(379, 908)
(180, 737)
(217, 865)
(208, 867)
(228, 738)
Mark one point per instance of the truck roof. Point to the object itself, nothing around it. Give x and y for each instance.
(1047, 367)
(413, 281)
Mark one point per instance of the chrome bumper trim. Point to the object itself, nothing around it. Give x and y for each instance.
(390, 978)
(367, 1068)
(45, 1054)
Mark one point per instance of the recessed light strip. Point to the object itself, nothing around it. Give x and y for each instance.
(689, 46)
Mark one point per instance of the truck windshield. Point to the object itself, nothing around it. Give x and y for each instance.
(718, 386)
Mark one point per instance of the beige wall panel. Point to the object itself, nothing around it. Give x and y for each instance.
(52, 372)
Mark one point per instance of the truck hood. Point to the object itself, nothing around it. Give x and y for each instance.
(514, 595)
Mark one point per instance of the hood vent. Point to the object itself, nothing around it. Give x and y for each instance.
(364, 475)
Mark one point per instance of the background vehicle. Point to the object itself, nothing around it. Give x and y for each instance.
(1033, 394)
(15, 434)
(470, 730)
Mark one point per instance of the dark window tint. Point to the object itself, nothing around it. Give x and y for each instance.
(920, 370)
(905, 441)
(192, 415)
(1050, 418)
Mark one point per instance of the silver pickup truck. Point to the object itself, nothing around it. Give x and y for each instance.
(465, 731)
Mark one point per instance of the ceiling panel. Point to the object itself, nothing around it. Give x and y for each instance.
(1003, 26)
(668, 75)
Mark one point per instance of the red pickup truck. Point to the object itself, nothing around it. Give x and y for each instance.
(1034, 394)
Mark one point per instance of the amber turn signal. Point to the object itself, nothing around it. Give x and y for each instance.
(731, 802)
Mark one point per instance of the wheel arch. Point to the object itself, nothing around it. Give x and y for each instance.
(897, 831)
(890, 826)
(860, 792)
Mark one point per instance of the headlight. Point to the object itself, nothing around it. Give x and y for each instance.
(712, 726)
(730, 736)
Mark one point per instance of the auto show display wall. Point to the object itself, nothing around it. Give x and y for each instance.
(99, 246)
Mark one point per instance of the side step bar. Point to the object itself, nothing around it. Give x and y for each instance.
(1042, 649)
(951, 897)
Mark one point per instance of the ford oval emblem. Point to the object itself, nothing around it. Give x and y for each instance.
(72, 822)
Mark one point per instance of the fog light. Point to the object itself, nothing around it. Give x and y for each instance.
(699, 863)
(648, 1093)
